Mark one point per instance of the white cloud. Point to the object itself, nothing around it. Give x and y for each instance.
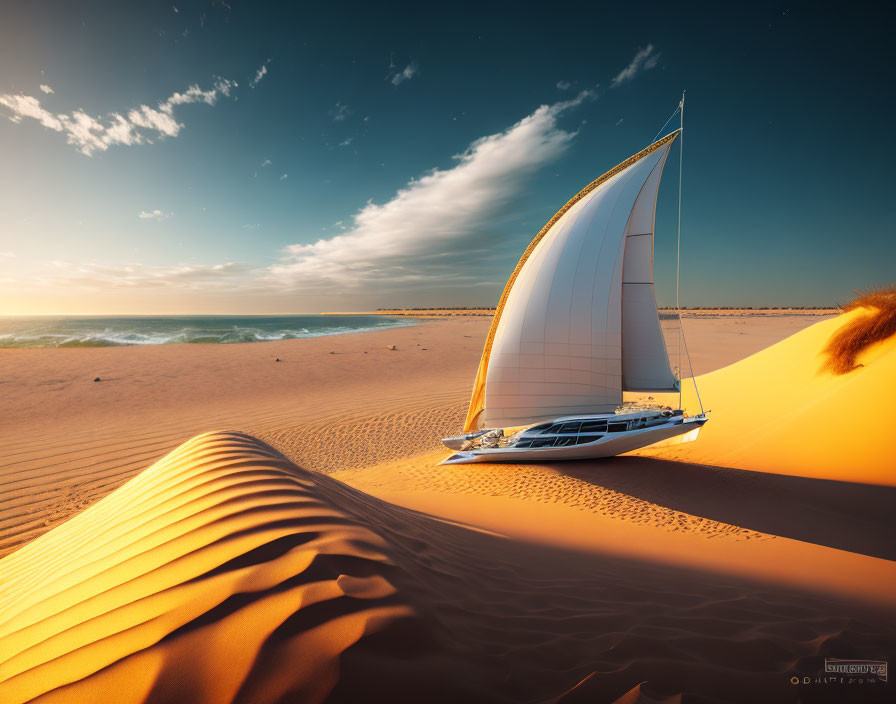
(189, 276)
(345, 142)
(90, 134)
(46, 89)
(27, 106)
(406, 74)
(441, 231)
(153, 214)
(564, 85)
(340, 112)
(266, 162)
(644, 60)
(434, 217)
(259, 74)
(115, 279)
(619, 121)
(283, 177)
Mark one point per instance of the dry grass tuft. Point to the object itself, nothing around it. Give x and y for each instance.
(878, 324)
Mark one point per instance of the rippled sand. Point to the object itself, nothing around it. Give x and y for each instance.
(234, 569)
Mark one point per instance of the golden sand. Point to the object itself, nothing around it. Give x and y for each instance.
(228, 571)
(783, 411)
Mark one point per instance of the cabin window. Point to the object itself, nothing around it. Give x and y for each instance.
(618, 427)
(570, 427)
(592, 426)
(557, 441)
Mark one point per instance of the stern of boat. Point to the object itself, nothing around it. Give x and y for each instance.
(461, 458)
(455, 443)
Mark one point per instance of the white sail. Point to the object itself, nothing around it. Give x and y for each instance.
(645, 361)
(556, 343)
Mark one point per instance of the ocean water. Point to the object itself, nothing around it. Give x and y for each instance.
(96, 331)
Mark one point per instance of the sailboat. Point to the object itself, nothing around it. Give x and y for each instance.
(576, 326)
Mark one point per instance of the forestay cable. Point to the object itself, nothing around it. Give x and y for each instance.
(666, 123)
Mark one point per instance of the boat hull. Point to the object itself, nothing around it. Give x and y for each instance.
(609, 445)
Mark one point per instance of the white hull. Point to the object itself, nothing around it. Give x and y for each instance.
(610, 445)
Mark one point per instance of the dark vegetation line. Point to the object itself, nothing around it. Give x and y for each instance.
(878, 323)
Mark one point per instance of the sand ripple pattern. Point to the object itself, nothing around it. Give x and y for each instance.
(47, 481)
(193, 582)
(225, 573)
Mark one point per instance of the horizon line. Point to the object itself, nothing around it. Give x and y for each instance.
(378, 311)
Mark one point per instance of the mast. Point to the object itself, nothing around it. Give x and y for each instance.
(678, 241)
(681, 337)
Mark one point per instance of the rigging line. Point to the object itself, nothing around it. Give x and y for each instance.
(666, 123)
(693, 378)
(681, 337)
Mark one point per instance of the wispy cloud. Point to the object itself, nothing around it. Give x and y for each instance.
(92, 276)
(406, 74)
(266, 162)
(438, 231)
(644, 60)
(438, 215)
(8, 255)
(564, 85)
(619, 121)
(345, 142)
(283, 177)
(339, 112)
(259, 74)
(91, 134)
(153, 214)
(46, 89)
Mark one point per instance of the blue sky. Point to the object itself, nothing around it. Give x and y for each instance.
(252, 158)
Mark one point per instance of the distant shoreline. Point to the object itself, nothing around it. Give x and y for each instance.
(686, 312)
(76, 332)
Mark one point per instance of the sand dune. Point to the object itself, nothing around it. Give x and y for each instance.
(226, 573)
(65, 441)
(780, 410)
(194, 582)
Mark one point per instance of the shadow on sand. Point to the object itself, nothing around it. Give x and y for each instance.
(841, 515)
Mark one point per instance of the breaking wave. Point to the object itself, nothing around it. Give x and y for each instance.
(116, 332)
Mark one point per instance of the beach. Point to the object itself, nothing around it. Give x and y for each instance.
(658, 574)
(331, 403)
